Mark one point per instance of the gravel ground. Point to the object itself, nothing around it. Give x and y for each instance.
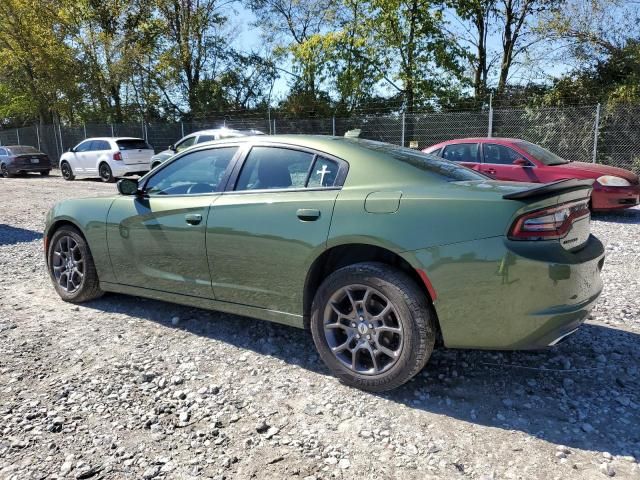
(129, 388)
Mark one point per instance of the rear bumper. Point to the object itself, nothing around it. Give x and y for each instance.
(503, 295)
(36, 167)
(125, 169)
(614, 198)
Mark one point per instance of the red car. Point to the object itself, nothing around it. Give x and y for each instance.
(521, 161)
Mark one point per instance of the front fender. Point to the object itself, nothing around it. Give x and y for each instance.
(89, 216)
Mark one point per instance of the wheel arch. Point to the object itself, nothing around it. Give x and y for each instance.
(343, 255)
(54, 227)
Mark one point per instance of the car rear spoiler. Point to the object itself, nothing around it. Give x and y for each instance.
(554, 188)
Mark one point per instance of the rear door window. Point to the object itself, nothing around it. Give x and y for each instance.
(100, 145)
(499, 154)
(133, 144)
(324, 173)
(461, 152)
(3, 152)
(274, 168)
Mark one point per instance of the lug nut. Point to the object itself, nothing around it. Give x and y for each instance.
(353, 325)
(371, 325)
(368, 337)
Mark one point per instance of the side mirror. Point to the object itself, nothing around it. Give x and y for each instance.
(521, 161)
(127, 186)
(172, 147)
(71, 149)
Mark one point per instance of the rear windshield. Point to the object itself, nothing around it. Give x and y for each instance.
(449, 171)
(23, 149)
(541, 154)
(133, 144)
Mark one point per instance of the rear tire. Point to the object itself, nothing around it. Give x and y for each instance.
(66, 171)
(373, 327)
(71, 266)
(105, 173)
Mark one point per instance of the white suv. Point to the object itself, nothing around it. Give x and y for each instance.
(107, 158)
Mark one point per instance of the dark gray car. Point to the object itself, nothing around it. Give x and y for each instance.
(19, 159)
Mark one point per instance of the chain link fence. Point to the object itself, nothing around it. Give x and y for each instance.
(583, 133)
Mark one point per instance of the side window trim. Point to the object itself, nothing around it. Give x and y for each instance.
(223, 182)
(241, 160)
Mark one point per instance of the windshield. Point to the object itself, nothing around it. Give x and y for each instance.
(542, 154)
(449, 171)
(23, 149)
(133, 144)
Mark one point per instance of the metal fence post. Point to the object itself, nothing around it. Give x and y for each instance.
(18, 135)
(490, 131)
(61, 143)
(402, 135)
(182, 128)
(596, 129)
(333, 125)
(274, 126)
(38, 136)
(84, 128)
(112, 134)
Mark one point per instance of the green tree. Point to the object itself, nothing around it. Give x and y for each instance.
(417, 59)
(37, 78)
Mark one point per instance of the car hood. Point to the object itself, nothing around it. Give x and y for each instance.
(595, 170)
(163, 155)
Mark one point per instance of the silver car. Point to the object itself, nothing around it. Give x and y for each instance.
(199, 137)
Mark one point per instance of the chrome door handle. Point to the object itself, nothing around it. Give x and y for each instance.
(193, 218)
(308, 214)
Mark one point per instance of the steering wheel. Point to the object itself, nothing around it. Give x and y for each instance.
(199, 188)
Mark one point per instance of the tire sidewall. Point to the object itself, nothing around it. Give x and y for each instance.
(361, 275)
(110, 178)
(4, 171)
(65, 166)
(86, 256)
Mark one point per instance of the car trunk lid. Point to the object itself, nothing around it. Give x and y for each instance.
(32, 159)
(553, 211)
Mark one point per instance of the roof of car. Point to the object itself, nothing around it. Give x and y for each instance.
(115, 139)
(479, 139)
(17, 146)
(214, 131)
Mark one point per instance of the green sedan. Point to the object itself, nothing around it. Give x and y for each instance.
(378, 250)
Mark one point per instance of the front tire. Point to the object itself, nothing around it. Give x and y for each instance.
(105, 173)
(373, 327)
(45, 173)
(71, 266)
(4, 171)
(65, 170)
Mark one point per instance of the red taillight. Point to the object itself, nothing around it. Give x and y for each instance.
(549, 223)
(117, 156)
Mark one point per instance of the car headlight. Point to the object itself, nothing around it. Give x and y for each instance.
(611, 181)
